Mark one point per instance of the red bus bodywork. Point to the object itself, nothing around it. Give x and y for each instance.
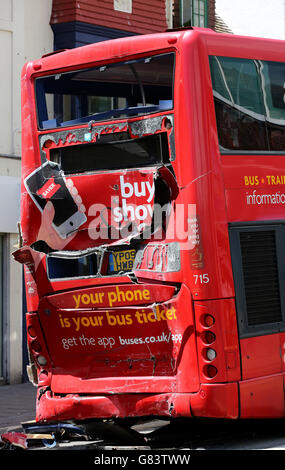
(136, 344)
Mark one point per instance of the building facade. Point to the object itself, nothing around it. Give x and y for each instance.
(77, 23)
(28, 30)
(25, 34)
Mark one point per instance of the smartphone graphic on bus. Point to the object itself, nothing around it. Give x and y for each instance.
(45, 184)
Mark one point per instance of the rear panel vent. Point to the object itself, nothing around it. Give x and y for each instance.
(260, 274)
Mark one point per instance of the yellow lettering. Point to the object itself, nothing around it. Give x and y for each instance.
(146, 294)
(111, 298)
(67, 323)
(77, 300)
(85, 299)
(151, 317)
(251, 180)
(85, 321)
(129, 295)
(77, 323)
(169, 314)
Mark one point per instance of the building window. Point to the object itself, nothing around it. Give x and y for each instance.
(193, 13)
(123, 5)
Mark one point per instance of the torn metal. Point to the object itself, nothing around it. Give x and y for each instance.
(78, 135)
(92, 133)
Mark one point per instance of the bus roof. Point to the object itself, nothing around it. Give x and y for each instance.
(224, 44)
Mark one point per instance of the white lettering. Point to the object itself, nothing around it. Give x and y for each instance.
(151, 191)
(253, 198)
(127, 189)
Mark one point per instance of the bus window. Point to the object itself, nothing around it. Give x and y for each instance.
(239, 104)
(272, 74)
(73, 266)
(249, 103)
(107, 92)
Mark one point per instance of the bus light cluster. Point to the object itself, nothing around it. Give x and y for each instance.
(208, 339)
(37, 347)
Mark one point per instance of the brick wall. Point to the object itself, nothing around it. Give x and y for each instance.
(211, 13)
(147, 16)
(176, 14)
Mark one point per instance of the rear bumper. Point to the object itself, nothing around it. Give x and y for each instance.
(212, 401)
(75, 407)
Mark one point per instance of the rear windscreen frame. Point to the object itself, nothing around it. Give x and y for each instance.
(144, 151)
(138, 92)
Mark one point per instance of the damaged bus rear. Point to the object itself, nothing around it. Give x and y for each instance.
(124, 237)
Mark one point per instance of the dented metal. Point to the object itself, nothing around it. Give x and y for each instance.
(106, 304)
(78, 135)
(69, 262)
(158, 258)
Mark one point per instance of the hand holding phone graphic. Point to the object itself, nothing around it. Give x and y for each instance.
(60, 212)
(47, 231)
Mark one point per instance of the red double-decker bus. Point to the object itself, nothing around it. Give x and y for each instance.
(153, 196)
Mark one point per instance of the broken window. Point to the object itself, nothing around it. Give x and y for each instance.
(112, 155)
(60, 267)
(63, 265)
(123, 89)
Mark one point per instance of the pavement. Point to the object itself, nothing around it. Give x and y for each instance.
(17, 405)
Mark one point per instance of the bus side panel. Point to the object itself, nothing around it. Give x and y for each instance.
(260, 356)
(262, 398)
(248, 187)
(216, 401)
(200, 176)
(282, 350)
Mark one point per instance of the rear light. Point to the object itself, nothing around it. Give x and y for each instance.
(42, 360)
(210, 371)
(211, 354)
(209, 337)
(208, 320)
(207, 348)
(48, 143)
(32, 332)
(35, 345)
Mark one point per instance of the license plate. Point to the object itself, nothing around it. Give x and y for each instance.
(121, 261)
